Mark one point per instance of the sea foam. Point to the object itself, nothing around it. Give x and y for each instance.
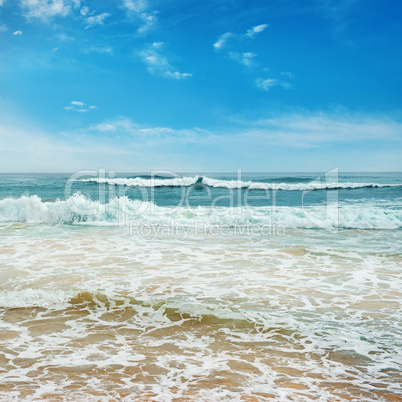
(34, 298)
(234, 184)
(123, 211)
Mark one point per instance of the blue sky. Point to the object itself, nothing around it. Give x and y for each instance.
(136, 85)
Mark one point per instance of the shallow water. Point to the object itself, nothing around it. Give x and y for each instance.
(94, 311)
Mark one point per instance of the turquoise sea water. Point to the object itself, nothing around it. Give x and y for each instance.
(201, 286)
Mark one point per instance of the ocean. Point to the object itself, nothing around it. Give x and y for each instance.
(237, 286)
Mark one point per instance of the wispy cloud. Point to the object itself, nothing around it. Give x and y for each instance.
(136, 6)
(220, 43)
(97, 20)
(148, 22)
(4, 27)
(288, 74)
(303, 129)
(124, 127)
(250, 34)
(256, 30)
(266, 84)
(310, 129)
(245, 58)
(17, 32)
(140, 9)
(84, 11)
(99, 49)
(64, 37)
(157, 62)
(78, 106)
(44, 9)
(61, 154)
(282, 142)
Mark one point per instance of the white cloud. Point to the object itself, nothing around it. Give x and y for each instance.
(177, 75)
(97, 19)
(157, 45)
(125, 126)
(3, 27)
(223, 39)
(245, 58)
(302, 133)
(121, 124)
(157, 62)
(140, 10)
(255, 30)
(17, 32)
(80, 107)
(44, 9)
(288, 74)
(289, 142)
(149, 21)
(84, 11)
(304, 129)
(221, 42)
(266, 84)
(100, 49)
(55, 154)
(136, 6)
(312, 129)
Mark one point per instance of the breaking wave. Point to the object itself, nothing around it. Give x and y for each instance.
(301, 185)
(121, 211)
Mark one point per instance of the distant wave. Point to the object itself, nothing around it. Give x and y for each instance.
(234, 184)
(121, 211)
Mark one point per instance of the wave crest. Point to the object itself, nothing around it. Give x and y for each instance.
(233, 184)
(121, 211)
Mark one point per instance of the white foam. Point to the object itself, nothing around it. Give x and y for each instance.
(122, 211)
(34, 298)
(258, 318)
(233, 184)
